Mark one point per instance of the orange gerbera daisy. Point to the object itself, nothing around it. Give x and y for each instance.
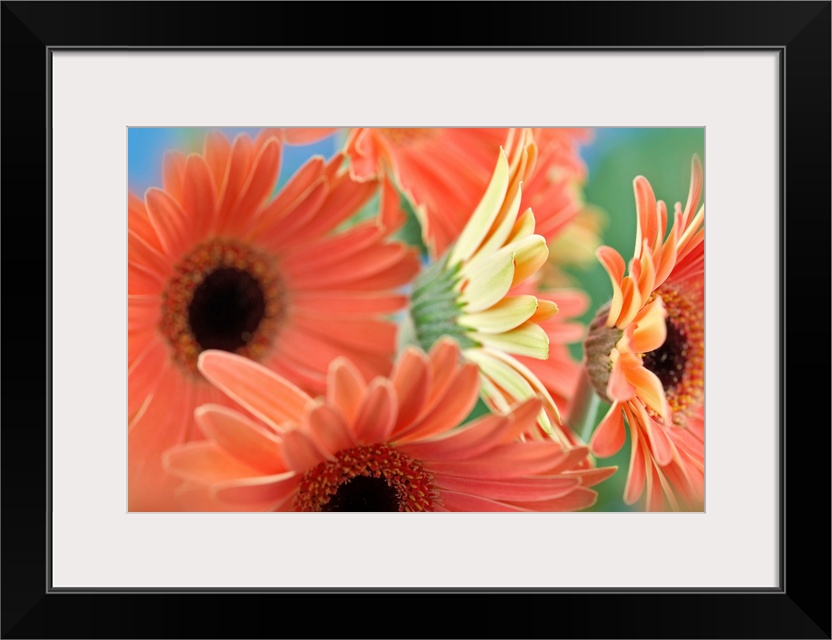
(445, 171)
(216, 262)
(394, 444)
(645, 353)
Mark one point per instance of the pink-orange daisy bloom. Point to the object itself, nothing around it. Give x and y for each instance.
(394, 444)
(217, 262)
(445, 171)
(645, 353)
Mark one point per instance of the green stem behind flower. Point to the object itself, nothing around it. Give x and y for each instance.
(583, 412)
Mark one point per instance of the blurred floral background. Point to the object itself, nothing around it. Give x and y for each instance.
(613, 157)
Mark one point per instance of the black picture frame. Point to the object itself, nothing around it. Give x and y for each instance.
(798, 608)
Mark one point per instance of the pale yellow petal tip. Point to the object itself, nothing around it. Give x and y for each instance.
(483, 216)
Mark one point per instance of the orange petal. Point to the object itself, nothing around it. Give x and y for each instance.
(329, 429)
(332, 304)
(217, 151)
(258, 187)
(266, 493)
(205, 462)
(277, 225)
(146, 373)
(660, 445)
(637, 471)
(345, 388)
(410, 380)
(618, 386)
(455, 404)
(609, 435)
(444, 361)
(173, 172)
(466, 442)
(650, 331)
(268, 396)
(531, 489)
(514, 460)
(170, 222)
(376, 414)
(575, 500)
(199, 196)
(144, 257)
(345, 198)
(648, 222)
(465, 502)
(235, 177)
(334, 249)
(302, 452)
(614, 264)
(649, 389)
(240, 437)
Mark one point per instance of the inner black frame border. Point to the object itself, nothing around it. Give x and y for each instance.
(31, 31)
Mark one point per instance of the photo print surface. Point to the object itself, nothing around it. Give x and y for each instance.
(411, 319)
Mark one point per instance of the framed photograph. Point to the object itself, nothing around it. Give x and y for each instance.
(261, 267)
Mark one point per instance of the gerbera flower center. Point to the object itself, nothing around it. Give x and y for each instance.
(408, 135)
(226, 309)
(679, 362)
(223, 295)
(368, 478)
(598, 345)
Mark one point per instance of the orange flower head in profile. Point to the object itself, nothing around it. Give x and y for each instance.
(645, 353)
(216, 261)
(393, 444)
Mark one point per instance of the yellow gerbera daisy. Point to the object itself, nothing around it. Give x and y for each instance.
(469, 294)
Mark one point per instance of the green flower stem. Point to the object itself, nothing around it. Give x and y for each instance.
(583, 412)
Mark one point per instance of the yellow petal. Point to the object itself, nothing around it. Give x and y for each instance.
(489, 283)
(503, 225)
(526, 340)
(531, 253)
(650, 331)
(523, 227)
(484, 215)
(501, 373)
(516, 380)
(507, 314)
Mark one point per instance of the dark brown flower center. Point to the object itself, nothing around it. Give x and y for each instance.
(368, 478)
(680, 362)
(226, 309)
(669, 360)
(223, 295)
